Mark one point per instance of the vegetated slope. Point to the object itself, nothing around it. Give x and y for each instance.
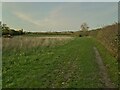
(108, 36)
(72, 64)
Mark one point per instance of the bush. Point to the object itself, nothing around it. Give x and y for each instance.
(12, 32)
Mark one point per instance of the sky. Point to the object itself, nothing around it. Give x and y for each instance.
(58, 16)
(59, 0)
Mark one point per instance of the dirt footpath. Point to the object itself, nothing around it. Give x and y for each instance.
(103, 72)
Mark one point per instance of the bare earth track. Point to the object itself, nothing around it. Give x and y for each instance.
(103, 72)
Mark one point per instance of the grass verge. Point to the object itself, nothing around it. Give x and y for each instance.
(110, 62)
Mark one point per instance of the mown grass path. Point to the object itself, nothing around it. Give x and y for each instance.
(72, 65)
(103, 72)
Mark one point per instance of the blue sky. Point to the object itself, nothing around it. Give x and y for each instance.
(58, 16)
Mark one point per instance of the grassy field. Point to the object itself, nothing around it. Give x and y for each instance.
(54, 62)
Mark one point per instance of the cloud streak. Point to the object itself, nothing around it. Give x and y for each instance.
(58, 16)
(25, 17)
(53, 20)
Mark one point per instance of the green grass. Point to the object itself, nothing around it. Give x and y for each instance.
(109, 61)
(71, 65)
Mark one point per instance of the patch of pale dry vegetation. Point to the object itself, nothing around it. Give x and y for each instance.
(30, 42)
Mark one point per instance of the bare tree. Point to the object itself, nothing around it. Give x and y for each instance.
(84, 27)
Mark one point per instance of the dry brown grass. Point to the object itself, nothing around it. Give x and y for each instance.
(29, 42)
(108, 36)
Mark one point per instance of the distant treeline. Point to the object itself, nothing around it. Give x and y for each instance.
(12, 32)
(7, 31)
(49, 33)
